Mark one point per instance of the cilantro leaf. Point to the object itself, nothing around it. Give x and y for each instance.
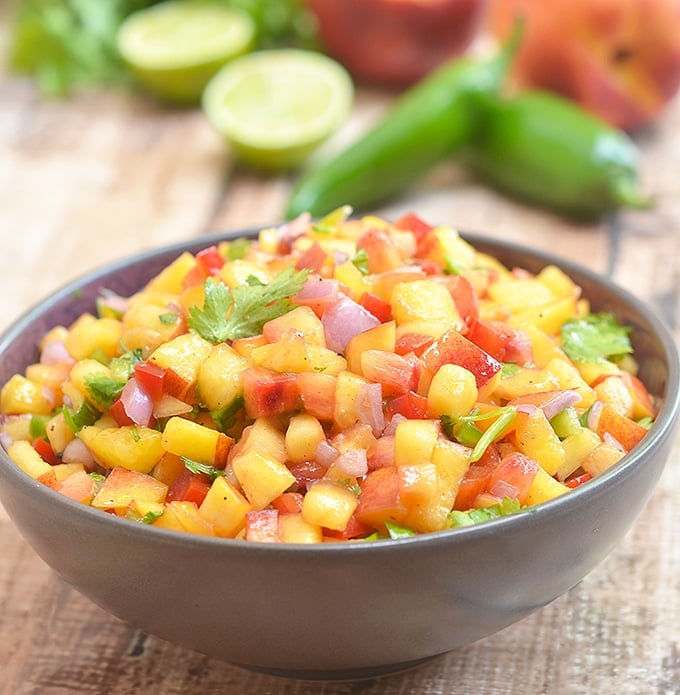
(241, 312)
(103, 390)
(225, 418)
(462, 429)
(477, 516)
(86, 415)
(197, 467)
(360, 261)
(595, 337)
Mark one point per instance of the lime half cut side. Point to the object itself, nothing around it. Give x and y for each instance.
(275, 107)
(175, 47)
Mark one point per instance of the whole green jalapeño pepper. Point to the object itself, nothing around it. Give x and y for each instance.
(426, 124)
(545, 150)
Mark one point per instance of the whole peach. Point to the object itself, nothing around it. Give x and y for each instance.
(620, 59)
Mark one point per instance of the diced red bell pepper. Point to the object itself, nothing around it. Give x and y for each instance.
(189, 487)
(288, 503)
(46, 452)
(410, 405)
(210, 260)
(354, 529)
(413, 223)
(502, 342)
(152, 378)
(118, 413)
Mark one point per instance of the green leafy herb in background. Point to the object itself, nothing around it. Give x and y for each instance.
(595, 337)
(65, 44)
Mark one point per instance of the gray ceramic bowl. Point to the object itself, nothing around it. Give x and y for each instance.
(338, 610)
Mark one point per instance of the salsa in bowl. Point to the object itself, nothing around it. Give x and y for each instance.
(398, 447)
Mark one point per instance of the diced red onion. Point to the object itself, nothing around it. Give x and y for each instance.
(391, 426)
(339, 257)
(317, 288)
(345, 319)
(369, 407)
(610, 439)
(76, 452)
(55, 352)
(503, 489)
(5, 440)
(326, 454)
(353, 462)
(527, 408)
(49, 395)
(114, 301)
(594, 415)
(137, 403)
(290, 231)
(561, 401)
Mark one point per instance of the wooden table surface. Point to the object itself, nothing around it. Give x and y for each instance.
(103, 175)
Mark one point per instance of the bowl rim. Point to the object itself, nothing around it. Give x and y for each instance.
(663, 427)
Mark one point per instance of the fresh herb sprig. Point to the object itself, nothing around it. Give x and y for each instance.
(241, 312)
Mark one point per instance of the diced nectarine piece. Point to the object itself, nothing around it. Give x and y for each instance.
(136, 448)
(123, 487)
(225, 508)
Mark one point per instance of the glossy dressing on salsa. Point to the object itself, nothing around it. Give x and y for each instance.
(344, 379)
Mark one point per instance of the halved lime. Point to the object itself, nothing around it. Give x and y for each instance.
(175, 47)
(275, 107)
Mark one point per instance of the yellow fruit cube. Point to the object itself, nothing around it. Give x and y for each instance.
(576, 447)
(261, 477)
(452, 392)
(569, 377)
(136, 448)
(21, 395)
(301, 320)
(28, 459)
(549, 317)
(170, 279)
(184, 516)
(424, 300)
(536, 438)
(557, 281)
(525, 381)
(184, 355)
(89, 335)
(219, 377)
(414, 441)
(544, 487)
(225, 508)
(350, 276)
(303, 436)
(263, 436)
(346, 398)
(329, 504)
(544, 347)
(197, 442)
(294, 529)
(602, 457)
(382, 337)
